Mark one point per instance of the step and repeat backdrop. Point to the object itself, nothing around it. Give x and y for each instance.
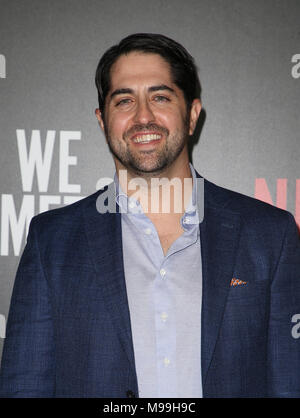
(52, 150)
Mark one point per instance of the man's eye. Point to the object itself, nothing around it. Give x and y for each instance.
(161, 99)
(123, 102)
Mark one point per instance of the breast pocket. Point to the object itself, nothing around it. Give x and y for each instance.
(248, 303)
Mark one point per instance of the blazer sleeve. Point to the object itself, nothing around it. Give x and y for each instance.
(283, 338)
(28, 363)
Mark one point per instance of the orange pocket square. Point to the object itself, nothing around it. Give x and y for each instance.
(236, 282)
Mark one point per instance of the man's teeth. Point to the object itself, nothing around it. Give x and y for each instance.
(146, 138)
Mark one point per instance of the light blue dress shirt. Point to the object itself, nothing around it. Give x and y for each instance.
(164, 297)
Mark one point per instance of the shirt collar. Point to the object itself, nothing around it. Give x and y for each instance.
(129, 205)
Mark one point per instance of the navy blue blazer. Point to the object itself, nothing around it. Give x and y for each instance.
(68, 329)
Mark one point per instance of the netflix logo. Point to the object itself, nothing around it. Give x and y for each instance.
(263, 193)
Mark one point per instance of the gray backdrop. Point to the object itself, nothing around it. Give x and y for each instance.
(52, 150)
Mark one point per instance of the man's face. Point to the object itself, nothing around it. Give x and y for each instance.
(146, 121)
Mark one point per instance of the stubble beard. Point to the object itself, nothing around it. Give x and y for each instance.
(149, 163)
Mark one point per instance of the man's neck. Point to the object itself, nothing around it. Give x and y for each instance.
(168, 192)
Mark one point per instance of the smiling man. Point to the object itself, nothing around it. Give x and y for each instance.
(147, 124)
(140, 302)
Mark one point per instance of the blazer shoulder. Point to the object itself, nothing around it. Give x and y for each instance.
(248, 207)
(65, 215)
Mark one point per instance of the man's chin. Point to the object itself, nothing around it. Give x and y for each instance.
(144, 170)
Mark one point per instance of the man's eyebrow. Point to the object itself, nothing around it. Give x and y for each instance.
(150, 89)
(161, 87)
(121, 91)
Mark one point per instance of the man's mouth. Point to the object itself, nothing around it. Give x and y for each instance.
(146, 138)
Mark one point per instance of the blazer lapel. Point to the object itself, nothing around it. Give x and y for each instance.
(219, 234)
(105, 245)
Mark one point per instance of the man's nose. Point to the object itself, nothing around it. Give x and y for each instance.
(144, 113)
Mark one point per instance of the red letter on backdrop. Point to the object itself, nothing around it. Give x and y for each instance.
(262, 193)
(297, 204)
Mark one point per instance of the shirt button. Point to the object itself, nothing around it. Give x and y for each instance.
(130, 394)
(186, 220)
(148, 231)
(166, 361)
(162, 272)
(131, 205)
(164, 316)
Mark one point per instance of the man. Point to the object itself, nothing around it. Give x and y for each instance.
(152, 303)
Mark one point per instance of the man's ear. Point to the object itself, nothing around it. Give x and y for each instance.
(99, 117)
(194, 115)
